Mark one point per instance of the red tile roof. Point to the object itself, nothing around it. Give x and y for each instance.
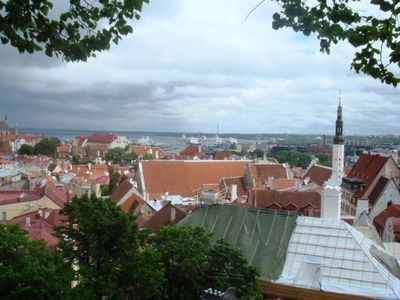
(264, 198)
(396, 228)
(14, 196)
(142, 150)
(378, 189)
(367, 168)
(184, 177)
(50, 190)
(40, 226)
(102, 138)
(121, 190)
(55, 194)
(319, 174)
(391, 211)
(221, 155)
(260, 172)
(164, 217)
(279, 184)
(191, 152)
(132, 203)
(239, 181)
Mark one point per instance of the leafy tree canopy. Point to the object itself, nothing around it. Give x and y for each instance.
(373, 29)
(26, 150)
(192, 264)
(148, 156)
(28, 270)
(103, 242)
(75, 33)
(119, 156)
(294, 158)
(184, 254)
(47, 146)
(258, 153)
(227, 267)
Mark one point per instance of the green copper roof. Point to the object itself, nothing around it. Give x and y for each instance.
(263, 235)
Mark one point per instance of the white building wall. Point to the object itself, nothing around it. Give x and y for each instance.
(331, 196)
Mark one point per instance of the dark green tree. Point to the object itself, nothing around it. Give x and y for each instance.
(26, 150)
(258, 153)
(184, 253)
(323, 159)
(102, 241)
(119, 156)
(374, 32)
(75, 33)
(47, 146)
(28, 270)
(227, 267)
(294, 158)
(148, 156)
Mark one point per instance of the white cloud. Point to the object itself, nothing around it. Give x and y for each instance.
(192, 64)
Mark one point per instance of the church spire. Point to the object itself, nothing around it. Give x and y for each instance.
(338, 139)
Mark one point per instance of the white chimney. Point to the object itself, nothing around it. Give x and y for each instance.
(89, 166)
(362, 205)
(28, 221)
(233, 192)
(173, 214)
(269, 182)
(40, 211)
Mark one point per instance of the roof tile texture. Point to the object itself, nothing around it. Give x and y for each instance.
(319, 174)
(184, 177)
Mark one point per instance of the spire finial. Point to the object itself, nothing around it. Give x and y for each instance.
(340, 97)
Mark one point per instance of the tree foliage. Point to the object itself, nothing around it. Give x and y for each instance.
(28, 270)
(192, 264)
(148, 156)
(184, 253)
(26, 149)
(76, 33)
(258, 153)
(227, 267)
(374, 30)
(103, 242)
(294, 158)
(47, 146)
(119, 156)
(323, 159)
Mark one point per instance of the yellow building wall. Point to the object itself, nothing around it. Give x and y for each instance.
(20, 208)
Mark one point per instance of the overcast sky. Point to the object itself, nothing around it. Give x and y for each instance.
(193, 64)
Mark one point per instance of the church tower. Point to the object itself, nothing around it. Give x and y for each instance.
(332, 193)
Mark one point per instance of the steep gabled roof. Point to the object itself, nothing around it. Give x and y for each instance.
(191, 152)
(121, 190)
(319, 174)
(366, 169)
(55, 194)
(165, 217)
(261, 171)
(221, 155)
(391, 211)
(378, 189)
(41, 227)
(185, 177)
(240, 184)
